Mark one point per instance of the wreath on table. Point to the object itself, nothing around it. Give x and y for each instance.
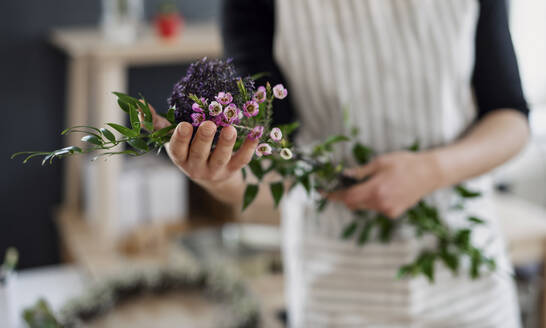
(217, 283)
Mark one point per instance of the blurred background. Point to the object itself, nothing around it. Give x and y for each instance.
(58, 61)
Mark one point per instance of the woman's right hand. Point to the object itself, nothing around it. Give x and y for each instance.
(194, 157)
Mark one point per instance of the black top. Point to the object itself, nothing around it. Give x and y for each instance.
(248, 27)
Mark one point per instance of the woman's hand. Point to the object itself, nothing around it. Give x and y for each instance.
(194, 157)
(397, 181)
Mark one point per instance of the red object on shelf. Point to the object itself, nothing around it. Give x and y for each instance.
(169, 26)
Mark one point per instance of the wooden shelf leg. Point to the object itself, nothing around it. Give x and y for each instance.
(102, 206)
(76, 114)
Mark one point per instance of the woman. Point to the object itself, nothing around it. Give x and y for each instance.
(439, 71)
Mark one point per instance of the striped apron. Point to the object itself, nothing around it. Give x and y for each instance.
(403, 69)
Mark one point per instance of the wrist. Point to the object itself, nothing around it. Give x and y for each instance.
(225, 190)
(434, 170)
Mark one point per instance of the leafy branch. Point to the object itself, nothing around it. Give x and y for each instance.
(317, 170)
(140, 136)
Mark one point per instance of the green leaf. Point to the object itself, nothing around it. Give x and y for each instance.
(361, 153)
(406, 271)
(163, 132)
(68, 130)
(450, 260)
(250, 194)
(491, 263)
(465, 193)
(123, 130)
(288, 129)
(476, 220)
(125, 101)
(258, 76)
(321, 204)
(138, 144)
(242, 90)
(365, 233)
(462, 238)
(305, 181)
(126, 98)
(414, 147)
(73, 149)
(146, 111)
(349, 230)
(133, 116)
(277, 191)
(386, 228)
(256, 169)
(475, 263)
(355, 131)
(92, 139)
(109, 135)
(427, 267)
(123, 105)
(335, 139)
(243, 172)
(170, 115)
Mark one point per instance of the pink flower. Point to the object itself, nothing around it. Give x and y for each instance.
(286, 153)
(251, 108)
(263, 149)
(231, 113)
(215, 109)
(279, 91)
(224, 98)
(196, 108)
(259, 95)
(220, 120)
(256, 133)
(276, 134)
(198, 118)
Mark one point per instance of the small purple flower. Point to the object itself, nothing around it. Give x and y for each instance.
(196, 108)
(224, 98)
(276, 134)
(263, 149)
(198, 118)
(286, 153)
(251, 108)
(231, 113)
(220, 120)
(279, 91)
(215, 108)
(260, 95)
(256, 133)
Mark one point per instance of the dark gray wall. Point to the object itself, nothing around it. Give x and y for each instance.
(32, 84)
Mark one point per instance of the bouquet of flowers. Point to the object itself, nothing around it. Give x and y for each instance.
(212, 91)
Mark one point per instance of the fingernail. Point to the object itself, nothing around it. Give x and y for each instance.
(229, 134)
(183, 130)
(207, 130)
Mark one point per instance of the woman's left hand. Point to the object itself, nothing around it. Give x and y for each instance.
(397, 181)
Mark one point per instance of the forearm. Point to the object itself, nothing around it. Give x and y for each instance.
(495, 139)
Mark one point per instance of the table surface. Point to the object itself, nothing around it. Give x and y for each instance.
(522, 222)
(56, 284)
(197, 40)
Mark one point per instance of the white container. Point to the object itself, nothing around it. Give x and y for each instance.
(121, 20)
(9, 316)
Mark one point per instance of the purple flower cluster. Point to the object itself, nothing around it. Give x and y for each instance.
(211, 90)
(205, 78)
(221, 111)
